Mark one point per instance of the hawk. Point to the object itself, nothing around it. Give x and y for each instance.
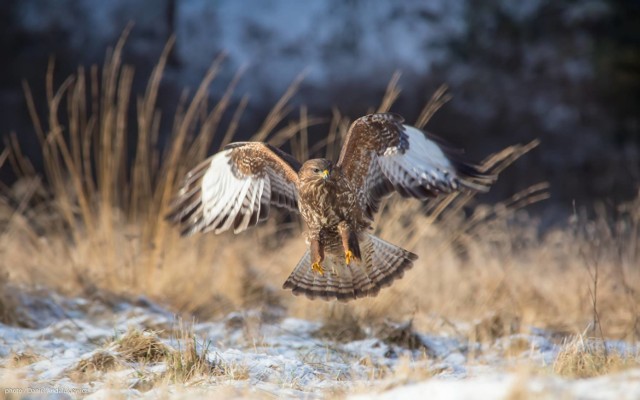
(235, 189)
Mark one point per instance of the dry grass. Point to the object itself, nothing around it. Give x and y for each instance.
(91, 368)
(141, 346)
(20, 359)
(98, 223)
(187, 364)
(134, 347)
(581, 357)
(95, 224)
(495, 326)
(403, 335)
(341, 324)
(192, 361)
(10, 306)
(411, 371)
(187, 360)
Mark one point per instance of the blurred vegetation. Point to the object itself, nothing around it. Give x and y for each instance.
(617, 60)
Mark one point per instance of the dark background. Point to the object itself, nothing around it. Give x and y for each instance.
(566, 72)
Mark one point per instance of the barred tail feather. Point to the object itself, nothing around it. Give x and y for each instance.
(381, 264)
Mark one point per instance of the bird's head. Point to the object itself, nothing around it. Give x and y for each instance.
(316, 170)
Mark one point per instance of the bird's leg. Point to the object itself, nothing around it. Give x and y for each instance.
(349, 243)
(317, 256)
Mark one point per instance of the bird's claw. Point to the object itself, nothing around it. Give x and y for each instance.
(348, 256)
(317, 268)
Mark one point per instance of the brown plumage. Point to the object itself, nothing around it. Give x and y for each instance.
(236, 187)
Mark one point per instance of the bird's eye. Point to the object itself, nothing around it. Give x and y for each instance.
(316, 170)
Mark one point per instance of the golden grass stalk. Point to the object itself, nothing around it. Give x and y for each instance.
(391, 94)
(190, 361)
(582, 357)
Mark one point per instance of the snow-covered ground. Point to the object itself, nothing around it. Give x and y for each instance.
(277, 356)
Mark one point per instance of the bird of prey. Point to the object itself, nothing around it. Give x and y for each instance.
(235, 188)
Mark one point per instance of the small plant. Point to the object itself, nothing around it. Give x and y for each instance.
(141, 346)
(101, 360)
(191, 359)
(585, 358)
(187, 362)
(23, 358)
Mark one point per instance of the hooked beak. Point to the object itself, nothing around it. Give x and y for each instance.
(325, 174)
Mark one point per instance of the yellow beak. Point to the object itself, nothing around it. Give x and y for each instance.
(325, 173)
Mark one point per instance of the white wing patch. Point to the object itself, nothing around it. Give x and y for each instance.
(225, 192)
(231, 200)
(422, 166)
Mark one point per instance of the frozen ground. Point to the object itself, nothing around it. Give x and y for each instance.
(269, 355)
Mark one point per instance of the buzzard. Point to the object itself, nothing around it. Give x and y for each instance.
(235, 188)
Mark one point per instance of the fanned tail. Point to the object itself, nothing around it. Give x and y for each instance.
(381, 264)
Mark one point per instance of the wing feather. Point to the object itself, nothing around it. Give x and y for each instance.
(382, 155)
(235, 189)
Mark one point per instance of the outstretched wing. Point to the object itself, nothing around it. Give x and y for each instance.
(235, 189)
(381, 155)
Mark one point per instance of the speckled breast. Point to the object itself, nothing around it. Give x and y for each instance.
(328, 203)
(319, 207)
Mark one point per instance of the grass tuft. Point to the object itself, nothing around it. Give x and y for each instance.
(99, 362)
(192, 359)
(141, 346)
(20, 359)
(586, 358)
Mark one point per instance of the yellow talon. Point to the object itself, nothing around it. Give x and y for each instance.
(348, 256)
(317, 268)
